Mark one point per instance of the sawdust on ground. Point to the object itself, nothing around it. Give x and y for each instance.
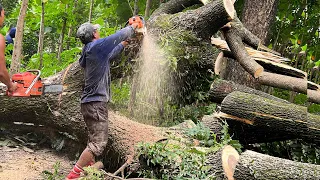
(26, 164)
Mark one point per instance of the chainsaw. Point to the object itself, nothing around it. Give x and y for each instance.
(29, 84)
(139, 32)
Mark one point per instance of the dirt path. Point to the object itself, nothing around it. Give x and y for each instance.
(25, 164)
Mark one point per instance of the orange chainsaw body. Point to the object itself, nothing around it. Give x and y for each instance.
(137, 19)
(28, 84)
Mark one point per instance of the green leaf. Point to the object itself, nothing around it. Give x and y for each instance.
(304, 48)
(64, 1)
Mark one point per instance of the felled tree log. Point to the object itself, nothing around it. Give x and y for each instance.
(314, 96)
(253, 165)
(313, 86)
(266, 114)
(221, 88)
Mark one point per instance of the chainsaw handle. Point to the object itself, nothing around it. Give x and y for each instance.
(34, 80)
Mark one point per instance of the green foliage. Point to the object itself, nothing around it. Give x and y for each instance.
(164, 160)
(301, 99)
(55, 175)
(296, 31)
(50, 62)
(296, 150)
(314, 108)
(120, 95)
(92, 174)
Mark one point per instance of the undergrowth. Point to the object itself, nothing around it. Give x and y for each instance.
(165, 160)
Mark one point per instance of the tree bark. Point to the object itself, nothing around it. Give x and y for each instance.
(17, 49)
(41, 36)
(253, 165)
(221, 88)
(258, 15)
(227, 163)
(267, 114)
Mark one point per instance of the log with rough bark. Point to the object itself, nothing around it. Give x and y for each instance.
(221, 88)
(252, 165)
(269, 115)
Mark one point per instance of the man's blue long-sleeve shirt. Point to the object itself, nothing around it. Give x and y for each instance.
(95, 59)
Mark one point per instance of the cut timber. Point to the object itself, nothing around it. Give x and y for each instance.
(236, 46)
(266, 55)
(201, 20)
(230, 158)
(284, 82)
(221, 88)
(280, 68)
(252, 165)
(218, 64)
(267, 60)
(314, 96)
(223, 162)
(267, 114)
(313, 86)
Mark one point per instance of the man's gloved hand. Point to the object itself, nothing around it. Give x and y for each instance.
(135, 26)
(125, 43)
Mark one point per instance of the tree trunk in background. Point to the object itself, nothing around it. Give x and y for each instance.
(70, 28)
(257, 17)
(62, 36)
(136, 8)
(90, 12)
(17, 50)
(148, 5)
(41, 36)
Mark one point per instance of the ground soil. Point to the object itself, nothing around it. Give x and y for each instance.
(21, 163)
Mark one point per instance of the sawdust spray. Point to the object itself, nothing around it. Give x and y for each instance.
(152, 86)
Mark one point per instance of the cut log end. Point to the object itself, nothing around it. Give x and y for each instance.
(230, 158)
(258, 72)
(228, 4)
(218, 63)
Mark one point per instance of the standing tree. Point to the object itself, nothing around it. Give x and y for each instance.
(17, 51)
(41, 34)
(148, 6)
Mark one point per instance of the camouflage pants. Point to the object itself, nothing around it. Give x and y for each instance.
(96, 118)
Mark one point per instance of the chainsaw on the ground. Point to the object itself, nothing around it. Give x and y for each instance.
(29, 84)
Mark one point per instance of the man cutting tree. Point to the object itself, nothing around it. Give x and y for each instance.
(95, 59)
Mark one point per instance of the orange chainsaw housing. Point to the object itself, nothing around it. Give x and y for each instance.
(137, 19)
(24, 80)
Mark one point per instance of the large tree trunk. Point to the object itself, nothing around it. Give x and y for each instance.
(17, 49)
